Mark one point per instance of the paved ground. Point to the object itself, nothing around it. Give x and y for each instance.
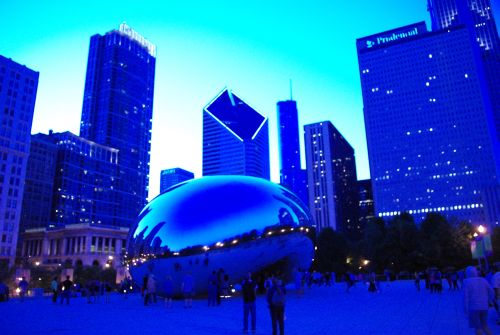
(397, 309)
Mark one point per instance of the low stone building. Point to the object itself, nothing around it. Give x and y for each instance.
(73, 244)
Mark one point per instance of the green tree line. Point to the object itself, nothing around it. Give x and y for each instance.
(401, 245)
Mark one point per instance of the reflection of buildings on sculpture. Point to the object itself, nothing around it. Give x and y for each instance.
(234, 223)
(295, 250)
(76, 243)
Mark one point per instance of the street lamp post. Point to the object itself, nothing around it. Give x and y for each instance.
(482, 234)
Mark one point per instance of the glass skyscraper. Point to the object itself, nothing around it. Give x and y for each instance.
(235, 138)
(39, 187)
(291, 174)
(429, 122)
(18, 87)
(331, 179)
(366, 206)
(477, 16)
(85, 185)
(117, 109)
(288, 133)
(71, 180)
(171, 177)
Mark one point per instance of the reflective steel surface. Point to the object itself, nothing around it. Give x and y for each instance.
(211, 212)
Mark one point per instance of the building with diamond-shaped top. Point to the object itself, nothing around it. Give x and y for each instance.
(235, 138)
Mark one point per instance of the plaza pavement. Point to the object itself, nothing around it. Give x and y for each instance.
(397, 309)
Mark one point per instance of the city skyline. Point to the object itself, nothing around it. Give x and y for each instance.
(202, 49)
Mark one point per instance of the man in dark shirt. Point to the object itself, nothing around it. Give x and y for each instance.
(67, 285)
(276, 303)
(248, 290)
(23, 288)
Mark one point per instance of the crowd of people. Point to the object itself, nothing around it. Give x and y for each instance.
(62, 290)
(272, 287)
(481, 290)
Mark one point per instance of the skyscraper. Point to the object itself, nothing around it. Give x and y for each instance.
(477, 16)
(429, 122)
(18, 87)
(235, 138)
(331, 179)
(171, 177)
(85, 183)
(71, 180)
(39, 187)
(289, 145)
(291, 175)
(117, 109)
(366, 206)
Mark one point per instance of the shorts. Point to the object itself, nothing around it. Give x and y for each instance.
(478, 319)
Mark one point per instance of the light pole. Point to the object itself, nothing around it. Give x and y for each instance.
(482, 232)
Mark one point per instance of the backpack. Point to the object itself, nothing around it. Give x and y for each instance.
(278, 298)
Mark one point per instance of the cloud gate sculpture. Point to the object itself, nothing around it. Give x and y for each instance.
(235, 223)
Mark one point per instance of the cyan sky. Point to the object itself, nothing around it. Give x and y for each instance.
(253, 47)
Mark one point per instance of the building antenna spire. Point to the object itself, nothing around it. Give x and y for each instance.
(291, 95)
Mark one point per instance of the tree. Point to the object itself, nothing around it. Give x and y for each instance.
(332, 251)
(401, 243)
(445, 243)
(372, 245)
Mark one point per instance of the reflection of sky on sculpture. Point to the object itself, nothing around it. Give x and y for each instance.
(208, 210)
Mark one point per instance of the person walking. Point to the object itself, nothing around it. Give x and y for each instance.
(454, 280)
(67, 285)
(477, 296)
(276, 304)
(439, 281)
(151, 289)
(495, 281)
(297, 279)
(349, 281)
(212, 289)
(54, 286)
(23, 288)
(249, 290)
(417, 280)
(144, 288)
(188, 290)
(168, 288)
(220, 278)
(4, 292)
(372, 283)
